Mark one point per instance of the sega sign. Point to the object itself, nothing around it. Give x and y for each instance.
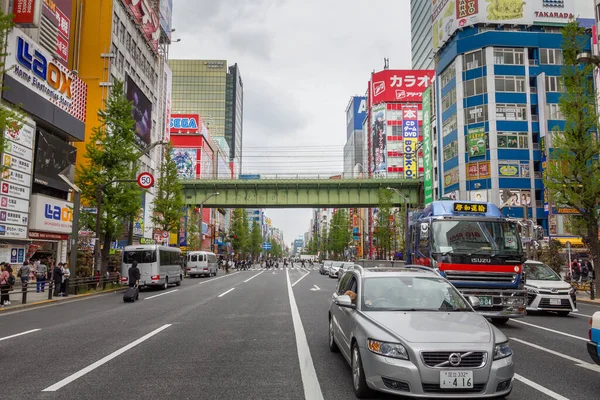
(185, 123)
(49, 214)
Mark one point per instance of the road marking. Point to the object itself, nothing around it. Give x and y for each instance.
(315, 288)
(224, 293)
(549, 330)
(249, 279)
(540, 388)
(162, 294)
(578, 362)
(102, 361)
(19, 334)
(581, 315)
(302, 277)
(312, 389)
(220, 277)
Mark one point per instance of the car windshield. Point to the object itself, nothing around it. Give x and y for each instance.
(404, 293)
(540, 272)
(475, 237)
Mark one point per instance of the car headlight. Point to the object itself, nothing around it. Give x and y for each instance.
(571, 291)
(532, 290)
(502, 350)
(394, 350)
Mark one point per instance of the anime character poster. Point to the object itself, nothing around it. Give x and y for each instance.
(185, 159)
(378, 131)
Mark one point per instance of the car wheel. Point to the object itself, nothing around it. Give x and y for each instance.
(333, 347)
(359, 383)
(563, 313)
(179, 282)
(166, 284)
(499, 321)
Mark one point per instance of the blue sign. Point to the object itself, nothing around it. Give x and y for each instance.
(249, 177)
(266, 246)
(356, 114)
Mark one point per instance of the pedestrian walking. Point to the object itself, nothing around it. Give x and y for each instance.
(41, 273)
(57, 278)
(4, 286)
(24, 272)
(65, 280)
(134, 277)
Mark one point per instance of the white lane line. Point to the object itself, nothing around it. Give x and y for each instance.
(312, 389)
(102, 361)
(581, 315)
(224, 293)
(302, 277)
(162, 294)
(540, 388)
(578, 362)
(549, 330)
(19, 334)
(249, 279)
(220, 277)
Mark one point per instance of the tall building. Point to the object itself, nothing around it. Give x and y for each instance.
(354, 162)
(209, 88)
(498, 86)
(420, 34)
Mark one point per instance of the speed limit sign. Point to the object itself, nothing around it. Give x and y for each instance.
(145, 180)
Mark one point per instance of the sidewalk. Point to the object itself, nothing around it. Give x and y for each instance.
(585, 298)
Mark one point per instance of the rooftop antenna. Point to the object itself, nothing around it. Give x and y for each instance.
(386, 63)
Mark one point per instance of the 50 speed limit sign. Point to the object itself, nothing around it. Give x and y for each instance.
(145, 180)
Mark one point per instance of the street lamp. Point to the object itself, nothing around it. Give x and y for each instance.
(68, 175)
(405, 199)
(202, 214)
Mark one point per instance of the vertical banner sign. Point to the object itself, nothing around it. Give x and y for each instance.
(427, 163)
(410, 137)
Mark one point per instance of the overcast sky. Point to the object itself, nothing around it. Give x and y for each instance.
(300, 61)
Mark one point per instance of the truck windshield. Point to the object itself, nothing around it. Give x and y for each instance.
(475, 237)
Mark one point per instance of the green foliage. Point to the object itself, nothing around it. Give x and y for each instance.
(109, 155)
(255, 240)
(193, 231)
(340, 233)
(276, 249)
(239, 229)
(313, 245)
(323, 241)
(551, 255)
(168, 203)
(572, 175)
(383, 230)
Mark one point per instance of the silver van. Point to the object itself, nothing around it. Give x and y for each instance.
(201, 263)
(160, 266)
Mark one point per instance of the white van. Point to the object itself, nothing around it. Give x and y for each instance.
(201, 263)
(160, 266)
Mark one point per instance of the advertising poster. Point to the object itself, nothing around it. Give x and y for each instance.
(478, 170)
(147, 18)
(515, 198)
(166, 15)
(407, 86)
(379, 126)
(508, 169)
(427, 163)
(410, 138)
(183, 227)
(141, 112)
(52, 156)
(138, 223)
(451, 177)
(476, 141)
(58, 12)
(168, 87)
(478, 195)
(185, 159)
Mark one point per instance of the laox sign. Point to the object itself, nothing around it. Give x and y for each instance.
(57, 213)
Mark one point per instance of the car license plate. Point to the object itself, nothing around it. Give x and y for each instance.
(485, 301)
(555, 302)
(456, 379)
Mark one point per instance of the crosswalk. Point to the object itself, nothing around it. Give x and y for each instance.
(295, 266)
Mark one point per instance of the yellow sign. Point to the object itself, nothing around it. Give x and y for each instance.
(470, 208)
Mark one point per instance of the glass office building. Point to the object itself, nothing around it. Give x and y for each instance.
(420, 34)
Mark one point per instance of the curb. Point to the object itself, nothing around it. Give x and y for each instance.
(589, 301)
(19, 307)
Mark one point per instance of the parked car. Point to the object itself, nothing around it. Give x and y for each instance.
(346, 266)
(546, 290)
(593, 346)
(324, 270)
(334, 269)
(408, 331)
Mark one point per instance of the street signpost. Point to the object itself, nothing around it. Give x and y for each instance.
(145, 180)
(266, 246)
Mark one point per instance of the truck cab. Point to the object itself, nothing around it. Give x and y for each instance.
(593, 346)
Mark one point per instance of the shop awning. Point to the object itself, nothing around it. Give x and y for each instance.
(575, 241)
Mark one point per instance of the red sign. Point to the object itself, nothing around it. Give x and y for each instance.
(145, 180)
(407, 86)
(147, 18)
(47, 236)
(185, 123)
(24, 11)
(62, 47)
(466, 8)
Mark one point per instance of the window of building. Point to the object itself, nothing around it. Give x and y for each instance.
(513, 140)
(510, 84)
(116, 25)
(473, 60)
(476, 114)
(451, 151)
(449, 99)
(475, 86)
(122, 32)
(504, 56)
(554, 84)
(448, 74)
(120, 61)
(551, 56)
(511, 112)
(449, 125)
(554, 112)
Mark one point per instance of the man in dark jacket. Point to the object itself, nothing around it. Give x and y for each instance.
(57, 275)
(134, 277)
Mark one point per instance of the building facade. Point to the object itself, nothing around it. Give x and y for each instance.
(420, 34)
(354, 149)
(234, 117)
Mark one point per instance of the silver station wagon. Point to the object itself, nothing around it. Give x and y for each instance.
(408, 331)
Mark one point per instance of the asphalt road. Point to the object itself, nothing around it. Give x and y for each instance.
(238, 336)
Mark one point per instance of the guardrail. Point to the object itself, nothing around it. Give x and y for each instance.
(73, 288)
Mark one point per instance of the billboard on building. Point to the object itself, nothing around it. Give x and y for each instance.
(410, 137)
(427, 162)
(393, 85)
(49, 214)
(26, 12)
(185, 159)
(147, 18)
(52, 156)
(379, 135)
(142, 113)
(448, 16)
(355, 114)
(58, 13)
(168, 85)
(166, 15)
(185, 124)
(476, 141)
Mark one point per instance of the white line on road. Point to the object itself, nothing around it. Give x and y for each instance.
(19, 334)
(102, 361)
(254, 276)
(581, 315)
(549, 330)
(302, 277)
(540, 388)
(312, 389)
(224, 293)
(162, 294)
(220, 277)
(578, 362)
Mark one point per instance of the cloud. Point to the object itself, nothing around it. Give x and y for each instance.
(252, 42)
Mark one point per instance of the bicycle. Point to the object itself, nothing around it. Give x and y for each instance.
(583, 286)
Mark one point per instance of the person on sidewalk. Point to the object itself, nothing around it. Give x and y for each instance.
(24, 272)
(65, 280)
(57, 278)
(41, 273)
(4, 286)
(134, 277)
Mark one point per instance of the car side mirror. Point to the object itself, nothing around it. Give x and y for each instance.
(344, 301)
(474, 301)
